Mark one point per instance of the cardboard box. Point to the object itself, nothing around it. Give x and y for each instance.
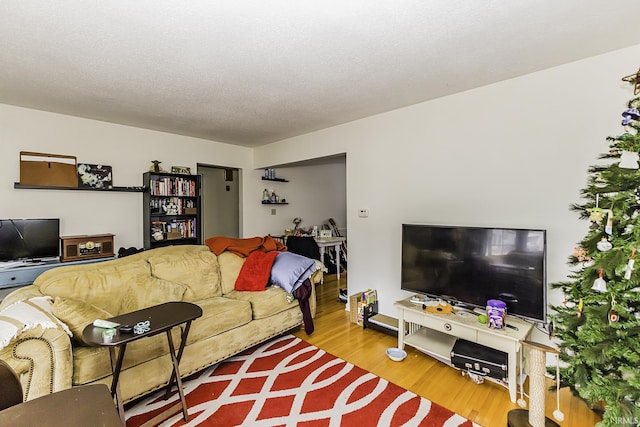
(48, 170)
(354, 302)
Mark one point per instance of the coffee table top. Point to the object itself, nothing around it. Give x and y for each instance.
(160, 317)
(89, 405)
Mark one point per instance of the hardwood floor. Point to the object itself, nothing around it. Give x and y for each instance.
(486, 404)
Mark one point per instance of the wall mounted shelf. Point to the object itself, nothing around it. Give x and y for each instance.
(138, 189)
(275, 179)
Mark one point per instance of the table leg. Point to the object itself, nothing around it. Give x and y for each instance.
(322, 254)
(512, 372)
(338, 259)
(116, 367)
(176, 370)
(401, 329)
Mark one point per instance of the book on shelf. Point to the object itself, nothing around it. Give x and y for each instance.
(176, 229)
(173, 186)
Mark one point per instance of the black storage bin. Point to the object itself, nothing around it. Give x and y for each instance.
(479, 359)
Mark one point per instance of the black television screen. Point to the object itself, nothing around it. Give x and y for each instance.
(470, 265)
(29, 239)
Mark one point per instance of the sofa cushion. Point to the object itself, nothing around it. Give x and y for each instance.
(290, 270)
(219, 314)
(101, 284)
(197, 270)
(77, 315)
(265, 303)
(149, 292)
(230, 265)
(254, 274)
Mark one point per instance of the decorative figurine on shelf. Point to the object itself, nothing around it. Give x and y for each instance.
(155, 167)
(158, 235)
(170, 208)
(265, 195)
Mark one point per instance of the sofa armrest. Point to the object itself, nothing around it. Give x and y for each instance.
(20, 294)
(42, 359)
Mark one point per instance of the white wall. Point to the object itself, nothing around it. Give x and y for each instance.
(315, 193)
(127, 149)
(512, 154)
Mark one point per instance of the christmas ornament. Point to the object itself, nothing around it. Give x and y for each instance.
(613, 314)
(629, 160)
(634, 79)
(580, 305)
(629, 268)
(596, 214)
(599, 285)
(609, 227)
(581, 254)
(604, 245)
(630, 115)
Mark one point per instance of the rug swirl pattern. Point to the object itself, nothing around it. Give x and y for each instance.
(287, 382)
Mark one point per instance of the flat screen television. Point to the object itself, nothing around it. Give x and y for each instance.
(467, 266)
(29, 239)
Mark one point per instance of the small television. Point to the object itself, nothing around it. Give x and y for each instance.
(467, 266)
(29, 239)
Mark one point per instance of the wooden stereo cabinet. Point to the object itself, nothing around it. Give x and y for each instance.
(171, 209)
(75, 248)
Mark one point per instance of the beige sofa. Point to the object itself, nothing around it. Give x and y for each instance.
(47, 359)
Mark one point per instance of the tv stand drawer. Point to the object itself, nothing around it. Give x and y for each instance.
(440, 324)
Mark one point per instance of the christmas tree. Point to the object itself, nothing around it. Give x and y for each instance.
(598, 322)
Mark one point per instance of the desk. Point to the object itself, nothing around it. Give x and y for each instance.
(161, 318)
(89, 405)
(336, 242)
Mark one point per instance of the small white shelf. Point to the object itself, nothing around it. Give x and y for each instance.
(433, 343)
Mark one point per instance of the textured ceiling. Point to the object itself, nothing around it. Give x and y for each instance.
(254, 72)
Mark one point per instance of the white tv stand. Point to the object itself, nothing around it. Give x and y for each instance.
(435, 335)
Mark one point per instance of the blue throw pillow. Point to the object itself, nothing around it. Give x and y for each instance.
(289, 270)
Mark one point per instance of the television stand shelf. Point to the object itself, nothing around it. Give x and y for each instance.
(435, 335)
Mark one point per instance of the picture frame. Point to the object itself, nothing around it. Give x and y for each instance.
(182, 170)
(94, 176)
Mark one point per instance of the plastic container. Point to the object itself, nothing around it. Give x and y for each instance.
(396, 354)
(496, 313)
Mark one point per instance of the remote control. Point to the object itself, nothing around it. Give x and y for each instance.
(105, 324)
(126, 329)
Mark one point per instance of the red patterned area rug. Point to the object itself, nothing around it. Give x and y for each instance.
(287, 382)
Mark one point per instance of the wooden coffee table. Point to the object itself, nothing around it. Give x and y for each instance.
(89, 405)
(160, 318)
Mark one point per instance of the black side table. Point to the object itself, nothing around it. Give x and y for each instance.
(161, 318)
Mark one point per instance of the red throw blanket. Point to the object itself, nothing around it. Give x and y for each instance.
(255, 272)
(243, 247)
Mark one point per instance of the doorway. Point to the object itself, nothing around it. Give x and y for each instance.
(220, 201)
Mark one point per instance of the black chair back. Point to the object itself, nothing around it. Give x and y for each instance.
(302, 245)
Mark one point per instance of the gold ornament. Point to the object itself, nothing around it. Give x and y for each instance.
(635, 80)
